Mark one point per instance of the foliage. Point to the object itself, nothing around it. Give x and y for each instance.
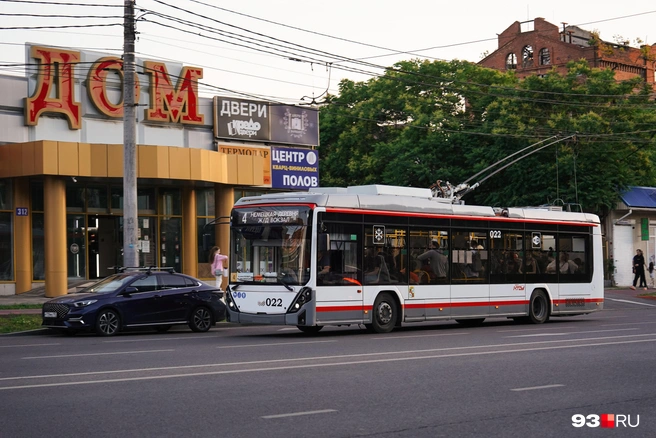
(20, 306)
(19, 323)
(423, 121)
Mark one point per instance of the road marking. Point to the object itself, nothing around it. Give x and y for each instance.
(322, 365)
(569, 333)
(531, 388)
(296, 414)
(98, 354)
(161, 338)
(632, 302)
(274, 344)
(627, 323)
(420, 336)
(27, 345)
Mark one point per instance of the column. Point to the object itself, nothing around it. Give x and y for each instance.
(54, 197)
(224, 198)
(189, 232)
(23, 237)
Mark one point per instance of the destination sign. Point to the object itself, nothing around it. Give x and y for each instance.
(274, 216)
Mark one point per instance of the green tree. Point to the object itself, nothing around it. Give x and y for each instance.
(423, 121)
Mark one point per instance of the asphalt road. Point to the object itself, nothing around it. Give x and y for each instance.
(502, 379)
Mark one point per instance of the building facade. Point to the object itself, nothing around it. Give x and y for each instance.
(535, 47)
(61, 166)
(631, 225)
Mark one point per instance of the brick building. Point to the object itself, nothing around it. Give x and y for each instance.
(536, 46)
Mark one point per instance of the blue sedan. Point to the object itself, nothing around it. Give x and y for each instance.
(137, 298)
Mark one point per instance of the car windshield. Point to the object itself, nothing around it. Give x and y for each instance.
(276, 251)
(109, 284)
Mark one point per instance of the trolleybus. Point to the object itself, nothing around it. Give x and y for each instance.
(384, 256)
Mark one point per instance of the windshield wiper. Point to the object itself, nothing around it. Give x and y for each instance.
(281, 281)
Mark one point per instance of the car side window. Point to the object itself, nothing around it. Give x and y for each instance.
(147, 283)
(190, 282)
(171, 281)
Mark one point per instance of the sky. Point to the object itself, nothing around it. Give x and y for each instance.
(296, 51)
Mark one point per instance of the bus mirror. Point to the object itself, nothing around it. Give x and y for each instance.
(323, 242)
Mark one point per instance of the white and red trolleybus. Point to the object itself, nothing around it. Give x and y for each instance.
(385, 256)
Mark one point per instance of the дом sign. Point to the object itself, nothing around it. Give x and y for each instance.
(170, 103)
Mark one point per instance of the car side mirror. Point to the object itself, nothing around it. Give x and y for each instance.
(129, 291)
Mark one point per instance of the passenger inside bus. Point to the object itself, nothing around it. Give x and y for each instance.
(377, 271)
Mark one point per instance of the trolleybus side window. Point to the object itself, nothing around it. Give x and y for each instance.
(337, 265)
(429, 256)
(507, 252)
(469, 256)
(385, 255)
(572, 265)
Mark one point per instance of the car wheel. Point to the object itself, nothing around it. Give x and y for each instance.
(538, 309)
(201, 319)
(311, 329)
(385, 314)
(163, 328)
(108, 323)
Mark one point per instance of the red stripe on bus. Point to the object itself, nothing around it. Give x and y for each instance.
(277, 204)
(411, 305)
(343, 308)
(457, 216)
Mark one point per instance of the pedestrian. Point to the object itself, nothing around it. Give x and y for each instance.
(651, 270)
(217, 259)
(639, 270)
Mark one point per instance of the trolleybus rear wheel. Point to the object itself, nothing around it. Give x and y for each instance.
(538, 308)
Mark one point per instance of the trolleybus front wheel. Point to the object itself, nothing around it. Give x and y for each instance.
(385, 314)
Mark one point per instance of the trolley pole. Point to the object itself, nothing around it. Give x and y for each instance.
(130, 256)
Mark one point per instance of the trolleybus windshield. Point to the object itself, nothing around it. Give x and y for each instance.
(271, 245)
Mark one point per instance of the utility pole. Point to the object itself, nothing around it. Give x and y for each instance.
(130, 256)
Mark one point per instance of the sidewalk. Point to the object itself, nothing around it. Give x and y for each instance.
(35, 296)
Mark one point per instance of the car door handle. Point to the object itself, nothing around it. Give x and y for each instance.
(158, 296)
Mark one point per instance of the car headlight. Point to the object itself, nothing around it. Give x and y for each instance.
(84, 303)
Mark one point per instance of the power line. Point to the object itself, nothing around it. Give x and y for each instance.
(61, 3)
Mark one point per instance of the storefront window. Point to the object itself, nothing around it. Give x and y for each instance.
(6, 248)
(77, 250)
(75, 195)
(171, 202)
(170, 243)
(145, 200)
(206, 239)
(37, 196)
(147, 238)
(38, 247)
(5, 195)
(205, 203)
(97, 199)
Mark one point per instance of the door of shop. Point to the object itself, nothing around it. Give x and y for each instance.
(105, 245)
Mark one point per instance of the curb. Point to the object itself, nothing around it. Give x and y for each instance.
(39, 331)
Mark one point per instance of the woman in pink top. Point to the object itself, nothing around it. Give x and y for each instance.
(217, 260)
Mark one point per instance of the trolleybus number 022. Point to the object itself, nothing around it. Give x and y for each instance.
(271, 302)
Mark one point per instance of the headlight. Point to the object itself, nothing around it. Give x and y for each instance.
(84, 303)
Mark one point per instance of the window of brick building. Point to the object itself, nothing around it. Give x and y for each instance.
(545, 57)
(527, 56)
(511, 61)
